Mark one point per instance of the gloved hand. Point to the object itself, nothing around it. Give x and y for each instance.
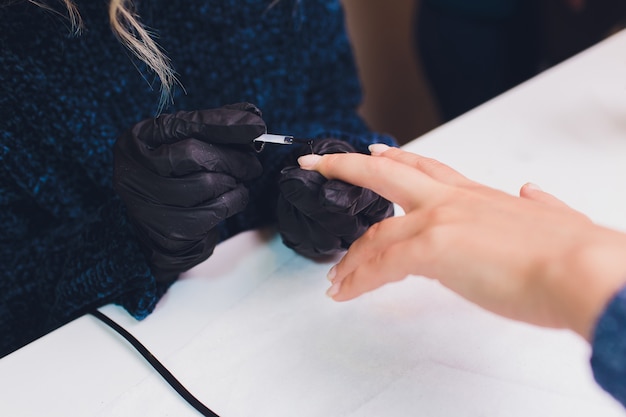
(318, 217)
(181, 174)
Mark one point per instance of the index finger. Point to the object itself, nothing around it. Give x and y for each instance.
(432, 167)
(397, 182)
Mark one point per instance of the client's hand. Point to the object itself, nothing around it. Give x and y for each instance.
(181, 174)
(317, 217)
(531, 258)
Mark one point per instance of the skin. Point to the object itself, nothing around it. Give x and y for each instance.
(530, 258)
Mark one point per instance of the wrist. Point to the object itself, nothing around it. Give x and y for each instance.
(587, 278)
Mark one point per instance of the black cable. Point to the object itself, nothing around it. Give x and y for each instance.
(167, 375)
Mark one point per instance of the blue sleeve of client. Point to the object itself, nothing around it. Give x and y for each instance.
(66, 245)
(608, 359)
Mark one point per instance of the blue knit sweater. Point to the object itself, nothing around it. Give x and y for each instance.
(608, 359)
(65, 244)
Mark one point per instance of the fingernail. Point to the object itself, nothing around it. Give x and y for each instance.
(334, 289)
(532, 186)
(377, 148)
(308, 161)
(332, 273)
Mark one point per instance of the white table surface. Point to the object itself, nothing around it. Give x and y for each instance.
(251, 333)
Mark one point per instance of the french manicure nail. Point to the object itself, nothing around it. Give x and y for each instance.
(308, 161)
(334, 289)
(332, 273)
(532, 186)
(377, 148)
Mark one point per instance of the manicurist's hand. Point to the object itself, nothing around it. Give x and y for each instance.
(319, 217)
(529, 258)
(180, 175)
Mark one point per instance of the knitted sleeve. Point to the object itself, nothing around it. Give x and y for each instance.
(68, 269)
(608, 359)
(104, 264)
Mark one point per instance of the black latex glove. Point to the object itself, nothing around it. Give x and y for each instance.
(181, 174)
(318, 217)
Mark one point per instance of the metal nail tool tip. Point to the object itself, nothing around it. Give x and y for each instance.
(280, 139)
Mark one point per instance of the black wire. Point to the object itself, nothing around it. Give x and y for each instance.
(167, 375)
(305, 141)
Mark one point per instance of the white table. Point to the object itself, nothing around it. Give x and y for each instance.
(251, 333)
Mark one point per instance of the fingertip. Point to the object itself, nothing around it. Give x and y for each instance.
(334, 290)
(532, 186)
(332, 273)
(309, 161)
(532, 192)
(528, 189)
(377, 148)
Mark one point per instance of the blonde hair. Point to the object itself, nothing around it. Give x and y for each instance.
(138, 39)
(73, 15)
(132, 34)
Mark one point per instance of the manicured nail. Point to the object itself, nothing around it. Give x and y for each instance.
(377, 148)
(532, 186)
(332, 273)
(334, 289)
(308, 161)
